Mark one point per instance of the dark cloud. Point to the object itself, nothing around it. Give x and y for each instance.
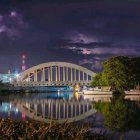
(11, 25)
(78, 31)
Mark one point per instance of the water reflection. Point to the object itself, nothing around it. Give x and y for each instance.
(48, 106)
(7, 108)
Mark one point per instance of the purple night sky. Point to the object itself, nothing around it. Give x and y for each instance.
(84, 32)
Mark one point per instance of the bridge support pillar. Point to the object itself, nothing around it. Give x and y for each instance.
(67, 78)
(87, 76)
(48, 74)
(35, 75)
(83, 76)
(43, 75)
(71, 75)
(64, 74)
(79, 76)
(56, 73)
(28, 77)
(75, 74)
(51, 74)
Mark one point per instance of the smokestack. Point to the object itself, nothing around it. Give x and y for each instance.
(23, 62)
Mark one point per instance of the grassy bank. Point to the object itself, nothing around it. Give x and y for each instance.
(30, 130)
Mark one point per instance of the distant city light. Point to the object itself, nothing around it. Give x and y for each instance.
(10, 106)
(17, 75)
(10, 79)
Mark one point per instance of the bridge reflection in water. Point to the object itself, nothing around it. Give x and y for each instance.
(60, 110)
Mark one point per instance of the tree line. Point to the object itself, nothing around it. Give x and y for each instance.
(121, 73)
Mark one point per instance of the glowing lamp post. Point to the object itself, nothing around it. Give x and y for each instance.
(17, 76)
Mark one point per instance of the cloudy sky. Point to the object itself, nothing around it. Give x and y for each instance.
(84, 32)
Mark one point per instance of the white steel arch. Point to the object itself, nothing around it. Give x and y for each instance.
(57, 110)
(55, 73)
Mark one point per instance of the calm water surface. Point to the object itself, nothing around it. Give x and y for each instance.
(45, 106)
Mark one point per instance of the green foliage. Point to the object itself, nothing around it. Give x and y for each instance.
(101, 106)
(120, 72)
(135, 63)
(98, 80)
(115, 115)
(19, 130)
(120, 114)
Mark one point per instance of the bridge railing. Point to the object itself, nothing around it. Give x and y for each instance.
(53, 83)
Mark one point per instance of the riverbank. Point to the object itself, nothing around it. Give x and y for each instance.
(13, 130)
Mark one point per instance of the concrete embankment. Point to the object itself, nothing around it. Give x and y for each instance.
(106, 96)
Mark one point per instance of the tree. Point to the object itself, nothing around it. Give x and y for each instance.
(135, 64)
(98, 80)
(121, 73)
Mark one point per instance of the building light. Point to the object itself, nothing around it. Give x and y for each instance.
(17, 75)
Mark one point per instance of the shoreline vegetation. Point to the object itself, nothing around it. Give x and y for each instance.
(32, 130)
(120, 73)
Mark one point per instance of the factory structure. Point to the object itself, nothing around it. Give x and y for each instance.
(6, 78)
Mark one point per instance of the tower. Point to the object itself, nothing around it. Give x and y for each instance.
(23, 62)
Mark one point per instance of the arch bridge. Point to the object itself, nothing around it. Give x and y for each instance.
(57, 110)
(55, 74)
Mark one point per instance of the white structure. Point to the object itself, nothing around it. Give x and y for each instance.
(6, 78)
(55, 74)
(59, 110)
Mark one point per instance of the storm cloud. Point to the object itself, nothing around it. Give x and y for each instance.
(77, 31)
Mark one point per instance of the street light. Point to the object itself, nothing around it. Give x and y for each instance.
(17, 76)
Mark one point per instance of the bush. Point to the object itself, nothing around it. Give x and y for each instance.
(28, 130)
